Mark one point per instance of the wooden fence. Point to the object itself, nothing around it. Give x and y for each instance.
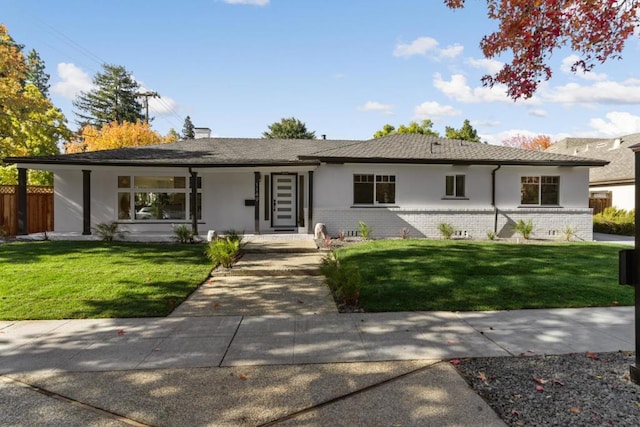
(39, 209)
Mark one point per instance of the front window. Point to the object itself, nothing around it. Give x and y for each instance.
(369, 189)
(540, 190)
(454, 186)
(156, 198)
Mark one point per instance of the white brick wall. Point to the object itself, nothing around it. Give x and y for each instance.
(473, 223)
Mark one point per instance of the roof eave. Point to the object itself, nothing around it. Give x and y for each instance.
(590, 163)
(129, 163)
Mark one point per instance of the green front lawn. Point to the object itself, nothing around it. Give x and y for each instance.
(60, 280)
(409, 275)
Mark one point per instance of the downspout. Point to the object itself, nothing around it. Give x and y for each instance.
(493, 199)
(193, 201)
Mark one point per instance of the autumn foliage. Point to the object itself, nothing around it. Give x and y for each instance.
(531, 30)
(114, 135)
(537, 143)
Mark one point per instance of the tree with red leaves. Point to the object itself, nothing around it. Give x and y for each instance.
(531, 30)
(536, 143)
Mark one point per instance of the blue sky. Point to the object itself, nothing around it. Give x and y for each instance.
(344, 67)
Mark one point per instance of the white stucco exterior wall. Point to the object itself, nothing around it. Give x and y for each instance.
(622, 196)
(67, 202)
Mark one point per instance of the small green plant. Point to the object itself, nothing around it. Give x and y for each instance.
(569, 233)
(108, 231)
(364, 229)
(223, 251)
(234, 235)
(183, 234)
(525, 228)
(404, 233)
(446, 230)
(491, 235)
(343, 281)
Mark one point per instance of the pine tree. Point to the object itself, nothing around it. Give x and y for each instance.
(188, 131)
(112, 100)
(466, 132)
(36, 74)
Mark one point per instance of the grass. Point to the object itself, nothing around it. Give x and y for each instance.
(411, 275)
(69, 280)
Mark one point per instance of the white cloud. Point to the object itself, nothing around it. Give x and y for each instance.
(429, 110)
(568, 62)
(605, 92)
(458, 89)
(489, 66)
(538, 113)
(339, 76)
(419, 46)
(451, 52)
(485, 123)
(615, 123)
(377, 106)
(251, 2)
(73, 80)
(162, 106)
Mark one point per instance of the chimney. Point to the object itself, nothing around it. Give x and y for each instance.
(323, 136)
(202, 133)
(616, 143)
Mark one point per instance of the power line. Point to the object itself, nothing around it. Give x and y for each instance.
(146, 95)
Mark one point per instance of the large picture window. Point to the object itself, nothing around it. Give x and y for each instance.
(156, 198)
(540, 190)
(454, 186)
(369, 189)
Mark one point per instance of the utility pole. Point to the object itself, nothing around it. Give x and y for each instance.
(146, 96)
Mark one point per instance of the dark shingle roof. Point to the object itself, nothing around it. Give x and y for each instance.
(230, 152)
(620, 157)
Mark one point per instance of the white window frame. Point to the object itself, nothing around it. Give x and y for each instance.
(454, 194)
(539, 184)
(391, 179)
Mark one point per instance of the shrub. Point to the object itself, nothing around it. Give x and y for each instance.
(615, 221)
(404, 233)
(234, 235)
(365, 230)
(569, 233)
(223, 251)
(107, 231)
(183, 234)
(525, 228)
(491, 235)
(446, 230)
(343, 281)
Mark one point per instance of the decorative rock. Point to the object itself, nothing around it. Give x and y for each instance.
(320, 231)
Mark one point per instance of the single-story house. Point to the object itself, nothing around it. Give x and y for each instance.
(412, 182)
(614, 184)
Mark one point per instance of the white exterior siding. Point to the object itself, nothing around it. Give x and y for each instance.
(622, 196)
(223, 196)
(420, 203)
(67, 202)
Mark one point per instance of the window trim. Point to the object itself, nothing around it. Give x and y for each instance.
(540, 185)
(392, 178)
(132, 190)
(455, 195)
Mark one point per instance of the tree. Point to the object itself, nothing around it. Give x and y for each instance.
(188, 129)
(114, 135)
(172, 135)
(466, 132)
(536, 143)
(531, 30)
(29, 123)
(113, 99)
(36, 74)
(423, 128)
(288, 128)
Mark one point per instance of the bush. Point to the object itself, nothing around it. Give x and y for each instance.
(365, 230)
(446, 230)
(224, 251)
(108, 231)
(525, 228)
(234, 235)
(491, 235)
(344, 281)
(615, 221)
(183, 234)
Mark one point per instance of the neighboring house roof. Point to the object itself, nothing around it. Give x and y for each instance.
(220, 152)
(616, 151)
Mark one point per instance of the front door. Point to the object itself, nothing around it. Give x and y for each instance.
(284, 200)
